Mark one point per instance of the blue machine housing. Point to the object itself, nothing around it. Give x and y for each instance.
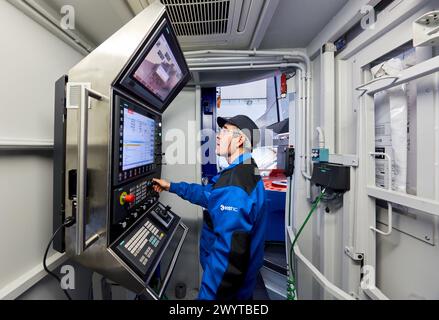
(276, 216)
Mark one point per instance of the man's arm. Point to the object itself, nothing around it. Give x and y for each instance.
(194, 193)
(227, 264)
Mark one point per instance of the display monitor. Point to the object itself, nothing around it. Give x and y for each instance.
(138, 140)
(159, 71)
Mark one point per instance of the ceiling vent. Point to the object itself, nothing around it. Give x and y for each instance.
(199, 17)
(221, 24)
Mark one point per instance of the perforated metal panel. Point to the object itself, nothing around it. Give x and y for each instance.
(199, 17)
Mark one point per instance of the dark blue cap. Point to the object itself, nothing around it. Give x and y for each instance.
(245, 124)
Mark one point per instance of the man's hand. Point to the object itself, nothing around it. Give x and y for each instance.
(161, 185)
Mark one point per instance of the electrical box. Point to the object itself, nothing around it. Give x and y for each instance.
(285, 159)
(331, 176)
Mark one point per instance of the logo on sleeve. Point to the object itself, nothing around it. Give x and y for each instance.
(228, 208)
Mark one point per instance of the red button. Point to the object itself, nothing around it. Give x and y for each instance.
(130, 198)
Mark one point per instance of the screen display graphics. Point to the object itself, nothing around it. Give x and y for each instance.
(159, 72)
(138, 140)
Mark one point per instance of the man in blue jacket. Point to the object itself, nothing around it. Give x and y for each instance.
(233, 235)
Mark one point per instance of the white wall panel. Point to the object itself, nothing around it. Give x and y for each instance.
(184, 115)
(31, 60)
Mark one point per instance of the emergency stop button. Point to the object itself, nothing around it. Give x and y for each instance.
(130, 198)
(127, 198)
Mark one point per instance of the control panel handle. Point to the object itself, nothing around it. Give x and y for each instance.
(81, 186)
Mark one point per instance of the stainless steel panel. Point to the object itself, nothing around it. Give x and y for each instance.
(100, 68)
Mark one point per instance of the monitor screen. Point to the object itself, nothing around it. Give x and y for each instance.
(138, 140)
(159, 72)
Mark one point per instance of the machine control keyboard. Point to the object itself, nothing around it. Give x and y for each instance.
(144, 242)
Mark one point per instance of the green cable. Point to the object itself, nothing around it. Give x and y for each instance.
(289, 200)
(291, 291)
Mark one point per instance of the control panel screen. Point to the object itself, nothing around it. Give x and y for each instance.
(138, 140)
(160, 72)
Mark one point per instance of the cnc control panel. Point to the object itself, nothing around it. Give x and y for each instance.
(108, 149)
(137, 158)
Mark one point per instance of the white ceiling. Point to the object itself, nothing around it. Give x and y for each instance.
(295, 22)
(96, 20)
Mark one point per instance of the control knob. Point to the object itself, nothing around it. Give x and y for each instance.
(135, 214)
(150, 184)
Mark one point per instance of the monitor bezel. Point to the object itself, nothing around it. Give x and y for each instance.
(129, 83)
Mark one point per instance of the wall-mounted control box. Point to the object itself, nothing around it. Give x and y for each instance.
(332, 176)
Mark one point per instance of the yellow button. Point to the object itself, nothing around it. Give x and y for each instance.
(122, 198)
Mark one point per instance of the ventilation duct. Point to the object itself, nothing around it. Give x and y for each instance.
(199, 18)
(224, 24)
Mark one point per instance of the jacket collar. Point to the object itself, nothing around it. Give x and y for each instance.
(240, 160)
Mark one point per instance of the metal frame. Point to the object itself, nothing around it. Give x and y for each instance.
(384, 40)
(367, 184)
(389, 186)
(359, 207)
(416, 72)
(366, 176)
(426, 206)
